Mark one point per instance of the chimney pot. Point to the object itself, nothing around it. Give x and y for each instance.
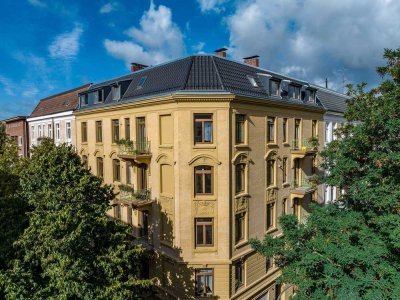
(252, 60)
(136, 67)
(221, 52)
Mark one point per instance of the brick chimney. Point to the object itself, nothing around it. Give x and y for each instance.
(221, 52)
(136, 67)
(252, 60)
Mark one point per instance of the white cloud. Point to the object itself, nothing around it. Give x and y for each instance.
(107, 8)
(313, 39)
(37, 3)
(211, 5)
(157, 40)
(66, 45)
(30, 91)
(198, 47)
(8, 85)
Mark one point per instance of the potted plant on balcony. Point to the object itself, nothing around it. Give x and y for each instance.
(313, 142)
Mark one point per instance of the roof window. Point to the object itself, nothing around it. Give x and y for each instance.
(141, 82)
(252, 81)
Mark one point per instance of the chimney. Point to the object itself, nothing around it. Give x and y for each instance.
(252, 60)
(221, 52)
(326, 82)
(136, 67)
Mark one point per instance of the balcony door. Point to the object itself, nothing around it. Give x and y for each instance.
(141, 133)
(142, 176)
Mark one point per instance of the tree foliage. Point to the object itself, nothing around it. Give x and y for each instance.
(71, 249)
(351, 249)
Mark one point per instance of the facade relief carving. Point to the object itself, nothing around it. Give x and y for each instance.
(241, 203)
(204, 207)
(271, 195)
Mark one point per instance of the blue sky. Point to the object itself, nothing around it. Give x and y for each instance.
(51, 46)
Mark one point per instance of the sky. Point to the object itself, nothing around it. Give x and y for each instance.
(49, 46)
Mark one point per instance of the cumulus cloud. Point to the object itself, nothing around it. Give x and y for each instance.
(198, 47)
(107, 8)
(314, 39)
(66, 45)
(211, 5)
(156, 40)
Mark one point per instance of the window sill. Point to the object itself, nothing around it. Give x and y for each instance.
(166, 146)
(242, 194)
(99, 143)
(205, 197)
(286, 144)
(272, 187)
(84, 143)
(273, 145)
(204, 146)
(204, 249)
(286, 184)
(241, 244)
(239, 146)
(271, 230)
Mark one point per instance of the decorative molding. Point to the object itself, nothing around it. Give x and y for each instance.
(271, 195)
(204, 157)
(204, 208)
(112, 153)
(241, 157)
(241, 203)
(270, 153)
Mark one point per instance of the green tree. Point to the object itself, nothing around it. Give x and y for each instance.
(351, 249)
(13, 219)
(71, 249)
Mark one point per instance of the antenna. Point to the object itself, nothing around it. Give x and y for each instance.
(326, 82)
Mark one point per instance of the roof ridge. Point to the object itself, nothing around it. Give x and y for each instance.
(217, 71)
(65, 92)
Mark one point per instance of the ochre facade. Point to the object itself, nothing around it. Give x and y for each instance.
(170, 217)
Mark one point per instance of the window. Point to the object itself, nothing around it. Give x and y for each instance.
(284, 129)
(239, 129)
(314, 165)
(84, 132)
(39, 131)
(296, 208)
(99, 132)
(271, 129)
(127, 129)
(240, 178)
(20, 141)
(141, 82)
(84, 100)
(116, 170)
(240, 227)
(203, 130)
(270, 172)
(253, 82)
(116, 92)
(141, 139)
(284, 170)
(118, 212)
(296, 173)
(239, 275)
(204, 282)
(203, 180)
(128, 172)
(204, 232)
(49, 131)
(96, 97)
(33, 132)
(57, 131)
(297, 123)
(294, 92)
(85, 162)
(115, 131)
(274, 87)
(284, 206)
(270, 216)
(68, 130)
(314, 128)
(311, 96)
(99, 163)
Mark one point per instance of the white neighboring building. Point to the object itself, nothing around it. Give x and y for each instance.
(335, 104)
(53, 117)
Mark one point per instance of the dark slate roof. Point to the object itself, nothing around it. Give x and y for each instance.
(58, 103)
(194, 74)
(332, 101)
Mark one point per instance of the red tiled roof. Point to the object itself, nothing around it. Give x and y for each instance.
(58, 103)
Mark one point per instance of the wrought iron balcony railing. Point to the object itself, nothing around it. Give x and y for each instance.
(127, 192)
(303, 184)
(134, 148)
(305, 144)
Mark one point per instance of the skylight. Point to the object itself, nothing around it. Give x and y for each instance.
(252, 81)
(141, 82)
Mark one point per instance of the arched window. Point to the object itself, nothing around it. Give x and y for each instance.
(271, 164)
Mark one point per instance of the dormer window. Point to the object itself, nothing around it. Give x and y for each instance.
(141, 82)
(274, 87)
(294, 92)
(98, 96)
(311, 96)
(252, 81)
(84, 100)
(116, 92)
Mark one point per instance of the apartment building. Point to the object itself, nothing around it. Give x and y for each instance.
(17, 129)
(205, 153)
(53, 118)
(335, 105)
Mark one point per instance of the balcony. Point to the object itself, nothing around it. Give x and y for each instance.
(138, 151)
(135, 198)
(303, 147)
(299, 188)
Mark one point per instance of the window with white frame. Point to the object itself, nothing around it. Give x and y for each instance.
(39, 131)
(57, 131)
(68, 130)
(49, 131)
